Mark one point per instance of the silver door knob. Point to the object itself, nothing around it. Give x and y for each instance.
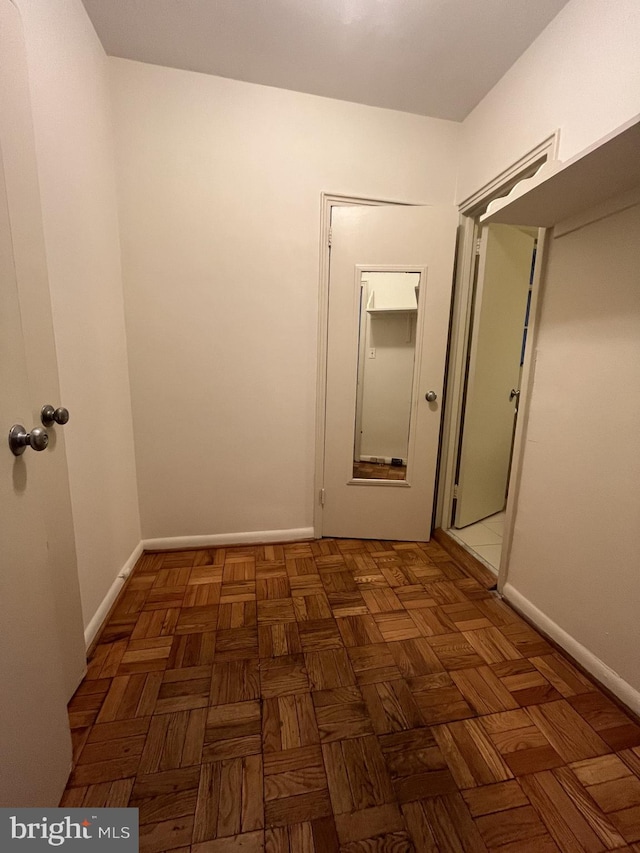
(50, 416)
(431, 396)
(20, 439)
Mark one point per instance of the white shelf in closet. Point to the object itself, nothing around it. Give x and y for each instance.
(560, 190)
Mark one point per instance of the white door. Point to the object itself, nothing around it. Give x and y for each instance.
(41, 650)
(408, 243)
(504, 275)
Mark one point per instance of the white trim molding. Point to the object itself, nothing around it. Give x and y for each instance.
(91, 631)
(219, 540)
(627, 694)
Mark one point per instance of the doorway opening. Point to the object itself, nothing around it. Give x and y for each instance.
(493, 320)
(501, 306)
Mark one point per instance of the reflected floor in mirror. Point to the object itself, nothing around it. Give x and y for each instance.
(344, 696)
(378, 471)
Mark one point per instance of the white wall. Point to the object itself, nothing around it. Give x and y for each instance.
(576, 545)
(581, 75)
(71, 113)
(219, 186)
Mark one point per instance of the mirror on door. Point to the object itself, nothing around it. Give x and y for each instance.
(386, 357)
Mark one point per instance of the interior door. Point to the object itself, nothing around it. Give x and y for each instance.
(41, 649)
(370, 248)
(504, 276)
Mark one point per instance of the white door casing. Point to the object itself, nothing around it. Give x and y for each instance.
(365, 239)
(41, 641)
(494, 370)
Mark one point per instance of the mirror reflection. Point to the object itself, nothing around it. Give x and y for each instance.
(386, 354)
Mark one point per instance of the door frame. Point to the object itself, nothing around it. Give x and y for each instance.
(327, 202)
(459, 342)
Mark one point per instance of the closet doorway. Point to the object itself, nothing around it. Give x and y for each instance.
(489, 365)
(500, 315)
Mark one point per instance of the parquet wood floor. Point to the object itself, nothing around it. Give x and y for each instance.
(348, 696)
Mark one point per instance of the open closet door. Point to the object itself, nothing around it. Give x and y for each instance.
(500, 306)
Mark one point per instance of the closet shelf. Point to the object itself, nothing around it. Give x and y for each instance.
(391, 310)
(560, 190)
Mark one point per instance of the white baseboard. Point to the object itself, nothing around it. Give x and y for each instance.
(628, 695)
(219, 540)
(101, 613)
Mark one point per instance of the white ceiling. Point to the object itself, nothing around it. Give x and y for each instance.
(432, 57)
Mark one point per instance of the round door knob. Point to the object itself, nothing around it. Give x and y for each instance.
(50, 416)
(431, 396)
(20, 439)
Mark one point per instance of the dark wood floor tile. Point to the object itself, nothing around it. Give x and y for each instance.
(232, 731)
(230, 799)
(373, 663)
(108, 795)
(495, 798)
(311, 607)
(432, 621)
(104, 771)
(357, 775)
(465, 615)
(470, 754)
(201, 595)
(391, 706)
(272, 585)
(235, 681)
(288, 722)
(192, 650)
(443, 824)
(166, 782)
(415, 657)
(347, 604)
(438, 698)
(572, 738)
(606, 718)
(567, 680)
(167, 835)
(511, 827)
(165, 807)
(361, 630)
(339, 581)
(382, 600)
(274, 611)
(483, 690)
(283, 676)
(341, 714)
(389, 842)
(156, 623)
(278, 640)
(246, 842)
(454, 651)
(130, 696)
(396, 626)
(236, 644)
(564, 820)
(320, 635)
(369, 823)
(522, 745)
(303, 807)
(237, 614)
(416, 765)
(329, 669)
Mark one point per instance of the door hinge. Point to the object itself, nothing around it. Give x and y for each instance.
(478, 245)
(321, 497)
(330, 236)
(455, 491)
